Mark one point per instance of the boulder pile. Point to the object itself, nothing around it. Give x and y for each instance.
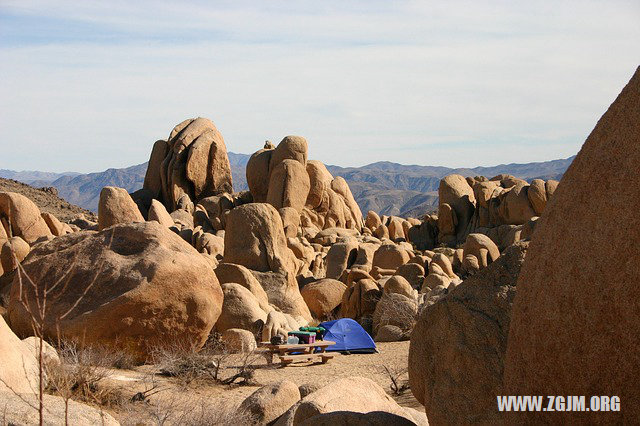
(351, 400)
(191, 163)
(292, 249)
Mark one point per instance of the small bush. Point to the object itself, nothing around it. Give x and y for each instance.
(189, 365)
(79, 373)
(398, 384)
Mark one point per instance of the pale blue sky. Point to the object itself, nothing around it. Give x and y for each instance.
(89, 85)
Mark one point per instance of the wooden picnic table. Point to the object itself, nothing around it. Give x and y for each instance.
(308, 352)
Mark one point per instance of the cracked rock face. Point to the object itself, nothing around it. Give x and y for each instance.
(458, 345)
(192, 162)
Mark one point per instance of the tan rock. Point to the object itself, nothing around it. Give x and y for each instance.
(12, 253)
(257, 172)
(18, 410)
(320, 182)
(237, 340)
(231, 273)
(254, 238)
(152, 180)
(360, 299)
(283, 293)
(396, 229)
(515, 208)
(537, 195)
(341, 256)
(290, 148)
(270, 402)
(350, 418)
(288, 185)
(115, 207)
(24, 218)
(381, 232)
(159, 213)
(551, 186)
(354, 394)
(391, 333)
(481, 248)
(372, 221)
(413, 272)
(323, 296)
(18, 366)
(575, 319)
(196, 163)
(458, 345)
(49, 353)
(278, 323)
(142, 286)
(55, 226)
(398, 284)
(290, 221)
(456, 192)
(444, 263)
(240, 309)
(390, 256)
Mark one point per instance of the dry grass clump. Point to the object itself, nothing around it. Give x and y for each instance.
(176, 409)
(80, 372)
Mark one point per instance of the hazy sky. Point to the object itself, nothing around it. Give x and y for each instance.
(89, 85)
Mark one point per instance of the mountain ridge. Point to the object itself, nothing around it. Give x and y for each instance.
(384, 186)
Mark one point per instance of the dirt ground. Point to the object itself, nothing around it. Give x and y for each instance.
(166, 394)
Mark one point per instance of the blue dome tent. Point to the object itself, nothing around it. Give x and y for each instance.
(348, 335)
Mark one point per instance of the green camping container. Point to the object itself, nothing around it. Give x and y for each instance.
(318, 330)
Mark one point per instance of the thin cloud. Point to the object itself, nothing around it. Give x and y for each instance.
(456, 84)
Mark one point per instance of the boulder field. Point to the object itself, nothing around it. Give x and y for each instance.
(495, 290)
(186, 256)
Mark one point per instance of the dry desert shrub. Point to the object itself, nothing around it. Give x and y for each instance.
(80, 372)
(191, 366)
(398, 376)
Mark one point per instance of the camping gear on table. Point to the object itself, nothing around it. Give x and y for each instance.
(292, 340)
(278, 339)
(304, 336)
(349, 336)
(301, 352)
(318, 330)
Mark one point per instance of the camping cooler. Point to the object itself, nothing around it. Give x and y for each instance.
(304, 336)
(318, 330)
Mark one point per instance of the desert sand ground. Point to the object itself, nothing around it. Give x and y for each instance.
(171, 395)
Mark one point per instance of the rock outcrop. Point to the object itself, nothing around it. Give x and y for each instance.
(283, 177)
(20, 217)
(116, 206)
(353, 394)
(192, 162)
(133, 286)
(270, 402)
(254, 238)
(323, 296)
(18, 367)
(458, 345)
(576, 316)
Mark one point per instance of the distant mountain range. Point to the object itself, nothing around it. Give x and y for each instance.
(385, 187)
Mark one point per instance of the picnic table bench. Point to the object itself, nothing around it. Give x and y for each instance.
(298, 352)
